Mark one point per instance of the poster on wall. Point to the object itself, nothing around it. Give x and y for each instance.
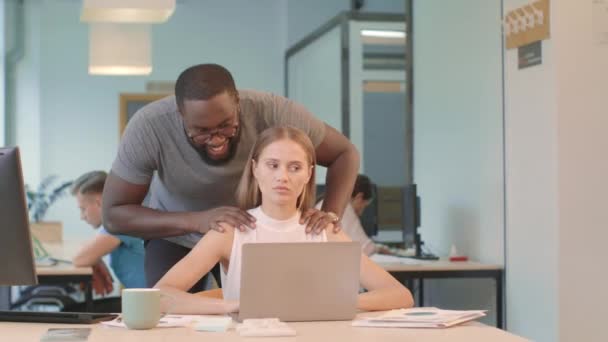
(527, 24)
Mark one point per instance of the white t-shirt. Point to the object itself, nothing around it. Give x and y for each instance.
(267, 230)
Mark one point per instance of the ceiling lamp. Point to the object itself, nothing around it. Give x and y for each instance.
(119, 49)
(127, 11)
(383, 37)
(383, 33)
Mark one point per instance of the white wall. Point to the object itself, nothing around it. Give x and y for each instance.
(556, 185)
(76, 115)
(531, 179)
(458, 126)
(458, 150)
(582, 122)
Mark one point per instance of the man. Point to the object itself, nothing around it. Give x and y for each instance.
(361, 197)
(126, 253)
(189, 151)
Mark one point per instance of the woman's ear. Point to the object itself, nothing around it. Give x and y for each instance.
(254, 167)
(310, 171)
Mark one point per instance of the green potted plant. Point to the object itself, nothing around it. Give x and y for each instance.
(38, 203)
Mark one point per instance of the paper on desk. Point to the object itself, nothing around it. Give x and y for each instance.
(419, 318)
(170, 321)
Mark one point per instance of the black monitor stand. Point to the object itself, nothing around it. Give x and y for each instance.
(419, 253)
(411, 220)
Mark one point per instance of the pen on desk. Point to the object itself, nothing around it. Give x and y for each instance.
(63, 261)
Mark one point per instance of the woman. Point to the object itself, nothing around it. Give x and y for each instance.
(276, 187)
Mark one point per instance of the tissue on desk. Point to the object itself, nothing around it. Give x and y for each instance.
(264, 327)
(214, 324)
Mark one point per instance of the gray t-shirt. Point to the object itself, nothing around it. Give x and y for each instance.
(155, 149)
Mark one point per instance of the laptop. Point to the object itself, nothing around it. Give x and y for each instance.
(300, 281)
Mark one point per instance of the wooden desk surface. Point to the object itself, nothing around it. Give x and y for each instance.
(63, 251)
(396, 264)
(309, 331)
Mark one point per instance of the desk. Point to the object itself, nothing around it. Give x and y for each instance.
(306, 331)
(408, 269)
(62, 273)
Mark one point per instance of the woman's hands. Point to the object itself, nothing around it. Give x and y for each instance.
(231, 306)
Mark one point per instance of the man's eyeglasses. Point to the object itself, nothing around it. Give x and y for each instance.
(203, 136)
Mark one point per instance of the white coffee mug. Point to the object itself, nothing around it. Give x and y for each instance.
(141, 308)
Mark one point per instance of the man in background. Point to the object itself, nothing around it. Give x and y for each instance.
(361, 197)
(126, 252)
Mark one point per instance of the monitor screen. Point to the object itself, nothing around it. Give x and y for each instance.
(398, 214)
(15, 243)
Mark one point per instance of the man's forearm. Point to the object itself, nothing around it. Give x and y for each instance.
(340, 180)
(147, 223)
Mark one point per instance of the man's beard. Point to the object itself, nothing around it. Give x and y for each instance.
(232, 145)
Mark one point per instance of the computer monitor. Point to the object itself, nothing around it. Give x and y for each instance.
(399, 213)
(15, 243)
(396, 214)
(393, 217)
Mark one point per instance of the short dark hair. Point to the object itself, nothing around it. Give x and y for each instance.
(90, 182)
(202, 82)
(363, 185)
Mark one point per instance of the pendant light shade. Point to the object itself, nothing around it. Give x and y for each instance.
(127, 11)
(119, 49)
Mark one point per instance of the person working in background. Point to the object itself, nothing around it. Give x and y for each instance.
(126, 253)
(188, 152)
(361, 197)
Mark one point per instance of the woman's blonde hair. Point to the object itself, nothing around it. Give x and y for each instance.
(248, 192)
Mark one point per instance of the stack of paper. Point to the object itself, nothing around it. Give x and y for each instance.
(419, 318)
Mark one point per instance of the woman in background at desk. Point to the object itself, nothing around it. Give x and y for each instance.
(276, 187)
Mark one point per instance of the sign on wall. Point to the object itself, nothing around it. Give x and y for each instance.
(527, 24)
(529, 55)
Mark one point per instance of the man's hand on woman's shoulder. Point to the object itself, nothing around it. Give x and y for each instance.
(317, 220)
(220, 218)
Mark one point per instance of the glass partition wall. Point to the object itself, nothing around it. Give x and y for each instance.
(352, 73)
